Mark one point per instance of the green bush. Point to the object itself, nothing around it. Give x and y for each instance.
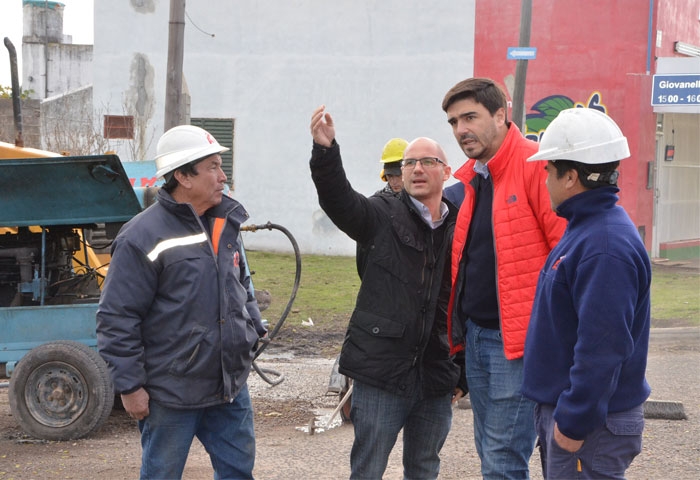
(6, 92)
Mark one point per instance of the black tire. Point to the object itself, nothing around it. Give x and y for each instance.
(61, 391)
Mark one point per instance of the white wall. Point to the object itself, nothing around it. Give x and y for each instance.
(51, 64)
(69, 68)
(381, 67)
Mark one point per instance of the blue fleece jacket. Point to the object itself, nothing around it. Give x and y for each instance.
(587, 342)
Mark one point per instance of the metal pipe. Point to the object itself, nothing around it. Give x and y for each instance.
(42, 282)
(16, 106)
(521, 66)
(650, 44)
(173, 78)
(46, 49)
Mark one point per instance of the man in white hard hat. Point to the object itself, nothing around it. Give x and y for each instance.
(395, 348)
(177, 322)
(587, 343)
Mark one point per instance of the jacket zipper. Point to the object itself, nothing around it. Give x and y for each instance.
(495, 256)
(427, 291)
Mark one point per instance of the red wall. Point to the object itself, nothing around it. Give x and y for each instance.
(592, 53)
(677, 20)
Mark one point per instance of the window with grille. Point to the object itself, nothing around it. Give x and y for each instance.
(222, 130)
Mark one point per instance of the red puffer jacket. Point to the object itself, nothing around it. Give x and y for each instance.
(525, 230)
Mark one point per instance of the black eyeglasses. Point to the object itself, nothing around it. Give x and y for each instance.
(426, 162)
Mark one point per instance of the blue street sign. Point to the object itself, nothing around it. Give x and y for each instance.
(521, 53)
(675, 90)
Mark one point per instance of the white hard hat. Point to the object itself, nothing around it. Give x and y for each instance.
(582, 135)
(184, 144)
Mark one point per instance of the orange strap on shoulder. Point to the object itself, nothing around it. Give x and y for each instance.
(216, 233)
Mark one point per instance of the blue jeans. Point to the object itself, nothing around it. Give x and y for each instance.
(378, 416)
(504, 424)
(225, 430)
(607, 452)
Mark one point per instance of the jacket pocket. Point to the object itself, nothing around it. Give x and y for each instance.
(398, 254)
(377, 326)
(190, 352)
(615, 451)
(408, 235)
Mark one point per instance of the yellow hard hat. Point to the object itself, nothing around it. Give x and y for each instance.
(393, 150)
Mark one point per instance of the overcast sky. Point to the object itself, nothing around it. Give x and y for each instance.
(77, 22)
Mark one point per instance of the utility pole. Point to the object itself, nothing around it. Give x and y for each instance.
(521, 65)
(173, 82)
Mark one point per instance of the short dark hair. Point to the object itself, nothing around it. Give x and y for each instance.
(187, 169)
(482, 90)
(591, 175)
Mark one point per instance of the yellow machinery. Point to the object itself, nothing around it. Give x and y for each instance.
(86, 256)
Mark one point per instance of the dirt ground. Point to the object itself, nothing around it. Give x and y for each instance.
(285, 449)
(283, 413)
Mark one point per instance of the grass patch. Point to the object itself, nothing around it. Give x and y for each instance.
(329, 285)
(675, 296)
(327, 288)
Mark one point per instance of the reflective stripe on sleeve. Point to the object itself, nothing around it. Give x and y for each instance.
(176, 242)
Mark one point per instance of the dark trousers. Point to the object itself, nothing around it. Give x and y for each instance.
(606, 452)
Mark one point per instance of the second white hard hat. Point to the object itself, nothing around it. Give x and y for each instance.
(582, 135)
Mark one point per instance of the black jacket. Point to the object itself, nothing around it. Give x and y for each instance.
(397, 336)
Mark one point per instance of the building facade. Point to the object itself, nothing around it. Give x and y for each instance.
(605, 55)
(381, 68)
(254, 71)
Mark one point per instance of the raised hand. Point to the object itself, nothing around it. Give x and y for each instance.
(322, 128)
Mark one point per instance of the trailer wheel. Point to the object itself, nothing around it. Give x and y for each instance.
(61, 391)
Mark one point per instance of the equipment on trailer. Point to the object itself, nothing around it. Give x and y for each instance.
(60, 389)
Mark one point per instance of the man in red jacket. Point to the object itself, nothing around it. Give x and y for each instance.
(505, 229)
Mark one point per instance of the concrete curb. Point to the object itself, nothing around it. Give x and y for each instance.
(667, 410)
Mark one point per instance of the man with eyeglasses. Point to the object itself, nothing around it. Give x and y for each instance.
(504, 231)
(395, 347)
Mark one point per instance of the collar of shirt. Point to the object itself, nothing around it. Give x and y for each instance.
(427, 217)
(481, 168)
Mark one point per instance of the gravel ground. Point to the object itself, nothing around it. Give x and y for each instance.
(287, 451)
(671, 447)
